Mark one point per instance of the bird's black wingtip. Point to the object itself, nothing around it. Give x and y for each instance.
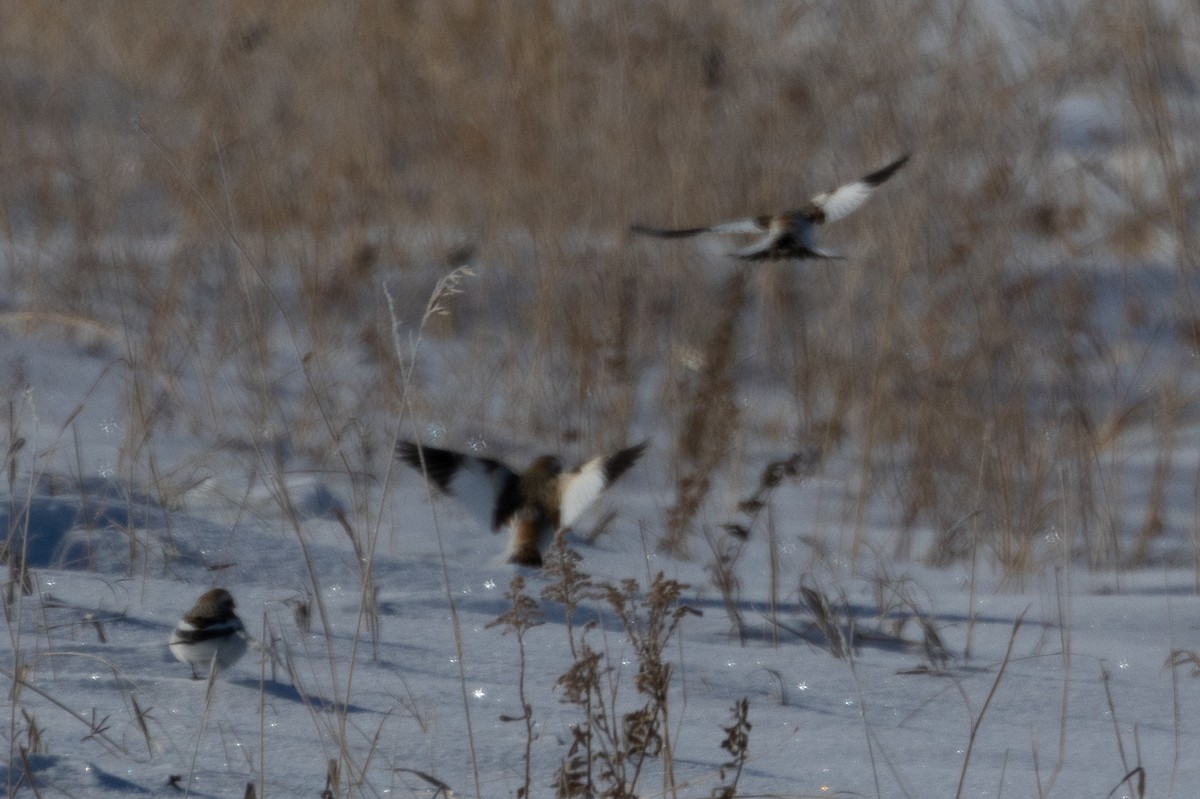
(882, 174)
(646, 230)
(409, 452)
(619, 462)
(439, 465)
(666, 233)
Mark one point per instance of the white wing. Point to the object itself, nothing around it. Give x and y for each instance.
(760, 246)
(738, 226)
(844, 201)
(475, 483)
(580, 488)
(847, 199)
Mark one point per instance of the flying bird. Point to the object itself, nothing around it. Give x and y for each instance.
(789, 235)
(532, 505)
(210, 635)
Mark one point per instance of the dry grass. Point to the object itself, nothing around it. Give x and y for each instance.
(241, 207)
(610, 749)
(215, 196)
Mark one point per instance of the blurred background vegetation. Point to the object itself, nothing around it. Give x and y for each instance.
(218, 194)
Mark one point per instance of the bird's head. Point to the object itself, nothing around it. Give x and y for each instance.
(218, 598)
(545, 467)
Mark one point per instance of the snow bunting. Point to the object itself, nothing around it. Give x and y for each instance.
(534, 504)
(209, 634)
(790, 234)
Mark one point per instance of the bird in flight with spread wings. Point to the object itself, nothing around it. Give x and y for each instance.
(532, 505)
(790, 235)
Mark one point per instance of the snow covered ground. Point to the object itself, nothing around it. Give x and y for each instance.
(176, 404)
(1056, 687)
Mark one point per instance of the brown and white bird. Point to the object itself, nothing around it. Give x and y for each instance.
(210, 635)
(532, 505)
(790, 235)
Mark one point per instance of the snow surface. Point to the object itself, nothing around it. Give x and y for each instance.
(1083, 699)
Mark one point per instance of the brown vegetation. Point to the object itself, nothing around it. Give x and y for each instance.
(229, 185)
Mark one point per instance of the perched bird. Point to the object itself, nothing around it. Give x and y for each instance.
(790, 234)
(210, 634)
(534, 504)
